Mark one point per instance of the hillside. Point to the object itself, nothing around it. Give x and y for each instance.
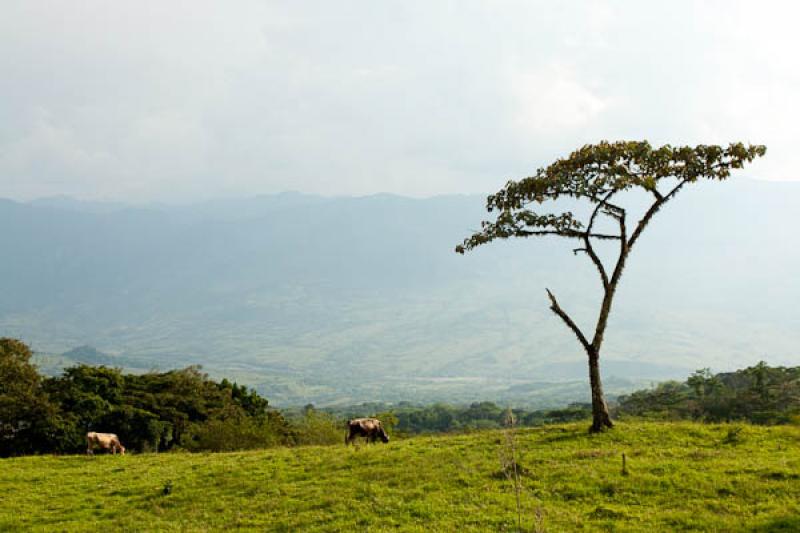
(296, 294)
(681, 476)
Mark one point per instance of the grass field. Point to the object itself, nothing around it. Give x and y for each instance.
(680, 476)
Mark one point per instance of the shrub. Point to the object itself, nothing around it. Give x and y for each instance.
(231, 434)
(316, 428)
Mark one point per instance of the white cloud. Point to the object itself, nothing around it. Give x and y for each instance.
(184, 100)
(755, 80)
(47, 157)
(553, 100)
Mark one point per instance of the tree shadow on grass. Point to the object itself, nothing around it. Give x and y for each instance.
(787, 523)
(566, 435)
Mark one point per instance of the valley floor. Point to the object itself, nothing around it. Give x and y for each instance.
(681, 476)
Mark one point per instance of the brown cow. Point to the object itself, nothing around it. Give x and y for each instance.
(371, 428)
(106, 441)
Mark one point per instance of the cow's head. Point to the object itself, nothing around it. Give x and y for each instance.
(383, 434)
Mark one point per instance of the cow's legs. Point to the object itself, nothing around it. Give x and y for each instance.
(353, 435)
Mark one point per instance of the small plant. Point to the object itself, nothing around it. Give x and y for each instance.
(624, 465)
(733, 436)
(605, 513)
(508, 461)
(538, 518)
(513, 471)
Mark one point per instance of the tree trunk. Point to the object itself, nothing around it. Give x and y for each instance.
(600, 416)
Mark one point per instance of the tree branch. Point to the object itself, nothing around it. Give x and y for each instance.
(608, 296)
(652, 211)
(572, 234)
(554, 307)
(588, 243)
(624, 248)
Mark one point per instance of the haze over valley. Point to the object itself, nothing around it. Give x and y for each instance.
(349, 299)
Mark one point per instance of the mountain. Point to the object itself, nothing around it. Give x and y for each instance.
(340, 299)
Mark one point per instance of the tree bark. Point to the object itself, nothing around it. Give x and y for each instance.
(600, 416)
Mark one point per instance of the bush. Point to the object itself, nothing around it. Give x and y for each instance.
(232, 434)
(316, 428)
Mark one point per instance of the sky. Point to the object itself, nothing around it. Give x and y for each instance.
(190, 100)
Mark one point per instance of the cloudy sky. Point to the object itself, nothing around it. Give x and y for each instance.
(187, 100)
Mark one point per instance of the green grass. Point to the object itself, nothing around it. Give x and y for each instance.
(682, 476)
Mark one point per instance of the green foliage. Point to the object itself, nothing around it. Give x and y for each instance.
(317, 428)
(407, 419)
(759, 394)
(27, 417)
(681, 477)
(233, 433)
(596, 173)
(389, 420)
(575, 411)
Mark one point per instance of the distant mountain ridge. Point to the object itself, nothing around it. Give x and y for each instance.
(297, 294)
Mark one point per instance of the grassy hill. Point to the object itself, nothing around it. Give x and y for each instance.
(681, 476)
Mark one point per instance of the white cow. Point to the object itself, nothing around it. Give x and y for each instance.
(106, 441)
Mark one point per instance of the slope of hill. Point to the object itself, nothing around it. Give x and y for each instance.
(296, 294)
(680, 476)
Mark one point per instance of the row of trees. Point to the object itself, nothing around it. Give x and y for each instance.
(150, 412)
(759, 394)
(481, 415)
(185, 409)
(406, 418)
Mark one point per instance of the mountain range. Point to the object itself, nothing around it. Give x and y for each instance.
(349, 299)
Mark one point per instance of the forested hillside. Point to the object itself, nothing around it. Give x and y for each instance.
(760, 394)
(296, 294)
(186, 410)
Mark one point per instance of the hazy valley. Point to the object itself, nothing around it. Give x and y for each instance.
(343, 300)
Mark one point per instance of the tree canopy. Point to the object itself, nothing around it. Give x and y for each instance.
(596, 173)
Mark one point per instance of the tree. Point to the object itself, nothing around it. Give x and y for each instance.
(597, 175)
(27, 418)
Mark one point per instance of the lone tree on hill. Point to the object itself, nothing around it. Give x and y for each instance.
(596, 175)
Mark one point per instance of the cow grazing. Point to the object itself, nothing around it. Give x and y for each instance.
(106, 441)
(370, 428)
